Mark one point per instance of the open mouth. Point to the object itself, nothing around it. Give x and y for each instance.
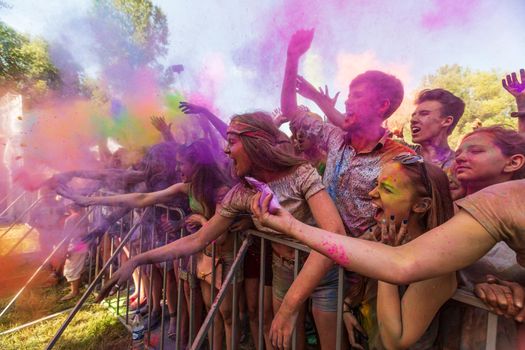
(379, 212)
(415, 130)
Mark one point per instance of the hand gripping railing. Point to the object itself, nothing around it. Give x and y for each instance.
(37, 271)
(91, 287)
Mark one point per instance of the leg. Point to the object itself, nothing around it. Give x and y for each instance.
(326, 324)
(226, 312)
(218, 332)
(251, 286)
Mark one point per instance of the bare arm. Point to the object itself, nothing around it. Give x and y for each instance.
(189, 108)
(182, 247)
(457, 243)
(298, 45)
(402, 321)
(129, 200)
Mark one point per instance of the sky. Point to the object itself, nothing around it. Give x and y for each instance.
(234, 51)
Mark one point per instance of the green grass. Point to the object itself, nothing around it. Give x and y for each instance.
(93, 328)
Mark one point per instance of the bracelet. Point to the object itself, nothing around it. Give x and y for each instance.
(518, 114)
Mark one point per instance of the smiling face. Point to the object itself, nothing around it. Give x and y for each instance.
(427, 121)
(394, 194)
(235, 150)
(363, 107)
(479, 160)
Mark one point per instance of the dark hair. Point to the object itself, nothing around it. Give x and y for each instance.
(275, 155)
(159, 166)
(208, 177)
(387, 87)
(451, 105)
(441, 208)
(510, 142)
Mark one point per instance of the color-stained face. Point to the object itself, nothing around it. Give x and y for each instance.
(478, 159)
(363, 107)
(185, 168)
(394, 193)
(427, 121)
(235, 150)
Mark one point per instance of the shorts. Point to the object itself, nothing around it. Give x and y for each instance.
(74, 265)
(324, 296)
(252, 261)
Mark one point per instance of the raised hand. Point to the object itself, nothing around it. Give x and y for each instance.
(159, 123)
(300, 42)
(512, 84)
(278, 117)
(189, 108)
(326, 95)
(305, 89)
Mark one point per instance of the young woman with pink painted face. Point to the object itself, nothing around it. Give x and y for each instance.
(488, 156)
(411, 197)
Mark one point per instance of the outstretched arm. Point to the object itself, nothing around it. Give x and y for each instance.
(457, 243)
(182, 247)
(164, 128)
(129, 200)
(512, 84)
(298, 45)
(189, 108)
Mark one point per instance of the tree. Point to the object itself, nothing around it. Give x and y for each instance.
(131, 34)
(484, 97)
(25, 65)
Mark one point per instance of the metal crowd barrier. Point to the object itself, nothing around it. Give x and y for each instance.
(197, 337)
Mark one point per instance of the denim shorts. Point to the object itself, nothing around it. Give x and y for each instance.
(324, 296)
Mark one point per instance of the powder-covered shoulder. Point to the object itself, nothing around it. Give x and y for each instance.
(237, 200)
(308, 180)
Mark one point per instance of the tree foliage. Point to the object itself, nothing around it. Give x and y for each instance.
(25, 65)
(482, 93)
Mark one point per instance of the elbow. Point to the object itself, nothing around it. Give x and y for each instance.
(403, 272)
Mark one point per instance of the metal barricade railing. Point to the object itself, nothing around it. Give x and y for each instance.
(197, 337)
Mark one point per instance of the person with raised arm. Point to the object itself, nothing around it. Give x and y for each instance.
(516, 88)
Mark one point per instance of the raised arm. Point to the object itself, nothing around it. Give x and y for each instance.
(315, 268)
(457, 243)
(322, 99)
(512, 84)
(182, 247)
(129, 200)
(189, 108)
(159, 123)
(298, 45)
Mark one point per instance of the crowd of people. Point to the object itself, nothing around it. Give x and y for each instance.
(409, 223)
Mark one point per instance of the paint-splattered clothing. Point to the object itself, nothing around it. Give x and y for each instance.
(349, 176)
(445, 162)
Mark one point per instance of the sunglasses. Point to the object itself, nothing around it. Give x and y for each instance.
(411, 159)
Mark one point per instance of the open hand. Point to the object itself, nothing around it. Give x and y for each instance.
(282, 328)
(66, 192)
(159, 122)
(300, 42)
(194, 221)
(389, 233)
(189, 108)
(512, 84)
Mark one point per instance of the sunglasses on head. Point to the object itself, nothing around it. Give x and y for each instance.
(412, 159)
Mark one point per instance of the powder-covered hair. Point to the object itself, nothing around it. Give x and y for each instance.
(510, 142)
(160, 166)
(387, 87)
(276, 154)
(441, 208)
(208, 176)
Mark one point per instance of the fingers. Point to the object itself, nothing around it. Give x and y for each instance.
(336, 97)
(107, 288)
(392, 229)
(522, 74)
(504, 84)
(384, 230)
(256, 209)
(518, 293)
(402, 232)
(514, 78)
